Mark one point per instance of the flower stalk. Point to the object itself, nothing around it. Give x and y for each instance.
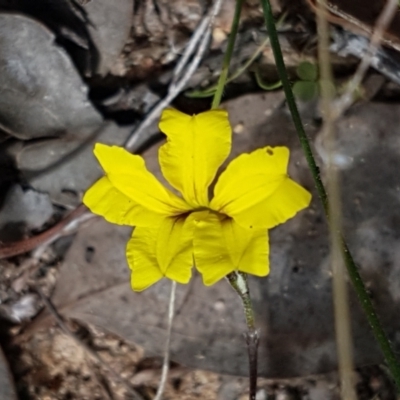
(238, 281)
(351, 266)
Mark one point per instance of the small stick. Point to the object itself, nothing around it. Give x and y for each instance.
(238, 281)
(381, 25)
(190, 49)
(165, 367)
(176, 85)
(344, 342)
(64, 227)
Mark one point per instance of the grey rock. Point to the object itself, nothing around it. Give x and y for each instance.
(42, 94)
(28, 207)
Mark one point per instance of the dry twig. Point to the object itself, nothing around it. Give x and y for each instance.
(41, 241)
(165, 367)
(382, 23)
(181, 75)
(344, 342)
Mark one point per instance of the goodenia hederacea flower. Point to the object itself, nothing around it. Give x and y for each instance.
(173, 232)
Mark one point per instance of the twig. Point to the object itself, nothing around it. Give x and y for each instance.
(165, 367)
(381, 25)
(337, 16)
(346, 43)
(60, 321)
(190, 49)
(44, 239)
(340, 294)
(238, 281)
(176, 86)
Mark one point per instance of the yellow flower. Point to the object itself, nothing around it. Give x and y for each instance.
(172, 233)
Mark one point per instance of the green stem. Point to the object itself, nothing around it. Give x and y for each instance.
(351, 266)
(263, 85)
(280, 65)
(228, 55)
(238, 281)
(210, 91)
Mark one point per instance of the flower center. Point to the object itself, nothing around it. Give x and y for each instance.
(202, 213)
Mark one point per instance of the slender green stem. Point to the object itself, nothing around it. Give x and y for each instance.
(263, 85)
(351, 266)
(210, 91)
(372, 317)
(228, 55)
(280, 65)
(238, 280)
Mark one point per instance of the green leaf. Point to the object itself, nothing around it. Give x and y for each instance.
(307, 71)
(305, 90)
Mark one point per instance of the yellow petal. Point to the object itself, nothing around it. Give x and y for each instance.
(256, 191)
(235, 238)
(222, 246)
(249, 179)
(142, 260)
(103, 199)
(196, 147)
(175, 248)
(167, 250)
(211, 256)
(128, 174)
(288, 199)
(248, 248)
